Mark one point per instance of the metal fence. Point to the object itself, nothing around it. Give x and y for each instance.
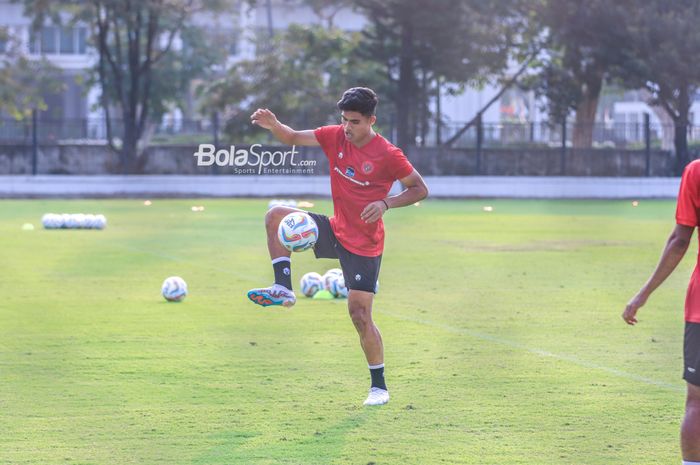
(626, 136)
(95, 130)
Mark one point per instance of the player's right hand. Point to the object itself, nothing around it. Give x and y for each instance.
(263, 118)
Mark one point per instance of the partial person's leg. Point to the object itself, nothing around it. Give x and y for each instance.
(281, 292)
(360, 308)
(690, 430)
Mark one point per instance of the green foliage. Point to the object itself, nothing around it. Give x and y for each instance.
(24, 81)
(418, 42)
(300, 75)
(586, 42)
(137, 71)
(667, 39)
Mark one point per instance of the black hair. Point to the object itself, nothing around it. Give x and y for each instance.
(360, 99)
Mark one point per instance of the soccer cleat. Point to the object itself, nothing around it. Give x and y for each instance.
(273, 295)
(377, 396)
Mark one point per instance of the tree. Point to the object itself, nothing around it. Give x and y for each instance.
(421, 42)
(23, 80)
(585, 43)
(300, 77)
(326, 10)
(133, 40)
(667, 40)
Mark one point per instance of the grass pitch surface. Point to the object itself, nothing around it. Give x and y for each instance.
(502, 329)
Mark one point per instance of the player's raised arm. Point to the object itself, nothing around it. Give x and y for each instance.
(283, 133)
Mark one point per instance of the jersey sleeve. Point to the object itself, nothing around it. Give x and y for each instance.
(688, 202)
(326, 137)
(399, 166)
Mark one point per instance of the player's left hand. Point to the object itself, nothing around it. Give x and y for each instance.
(373, 211)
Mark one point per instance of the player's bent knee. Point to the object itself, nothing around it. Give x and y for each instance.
(274, 215)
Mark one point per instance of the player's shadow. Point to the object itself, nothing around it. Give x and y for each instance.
(317, 447)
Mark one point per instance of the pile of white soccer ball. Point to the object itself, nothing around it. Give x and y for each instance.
(73, 221)
(331, 281)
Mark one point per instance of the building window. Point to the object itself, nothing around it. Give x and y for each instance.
(67, 40)
(48, 39)
(82, 35)
(58, 40)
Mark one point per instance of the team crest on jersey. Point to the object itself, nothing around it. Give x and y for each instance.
(367, 167)
(350, 172)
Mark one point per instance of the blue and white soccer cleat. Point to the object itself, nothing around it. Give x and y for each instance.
(377, 396)
(273, 295)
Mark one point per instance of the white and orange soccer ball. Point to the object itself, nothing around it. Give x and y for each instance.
(297, 232)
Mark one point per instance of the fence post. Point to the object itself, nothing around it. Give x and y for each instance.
(215, 128)
(563, 147)
(479, 141)
(35, 142)
(647, 144)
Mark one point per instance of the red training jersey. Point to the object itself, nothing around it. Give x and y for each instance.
(360, 176)
(688, 214)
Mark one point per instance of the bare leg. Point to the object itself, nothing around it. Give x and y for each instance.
(690, 430)
(360, 308)
(272, 221)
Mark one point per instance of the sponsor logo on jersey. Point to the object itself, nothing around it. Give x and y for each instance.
(350, 172)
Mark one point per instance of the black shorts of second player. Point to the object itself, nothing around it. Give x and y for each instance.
(360, 273)
(691, 353)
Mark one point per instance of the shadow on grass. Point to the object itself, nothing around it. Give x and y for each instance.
(316, 447)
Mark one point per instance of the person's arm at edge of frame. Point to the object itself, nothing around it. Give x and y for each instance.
(676, 246)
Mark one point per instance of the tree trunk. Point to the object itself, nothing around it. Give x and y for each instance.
(585, 113)
(404, 102)
(129, 148)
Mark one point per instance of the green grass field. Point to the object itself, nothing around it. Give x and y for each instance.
(502, 330)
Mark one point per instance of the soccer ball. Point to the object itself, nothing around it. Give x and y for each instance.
(51, 221)
(174, 289)
(79, 219)
(311, 283)
(338, 288)
(100, 222)
(297, 232)
(89, 221)
(330, 276)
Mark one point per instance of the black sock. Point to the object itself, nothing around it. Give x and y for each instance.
(377, 373)
(283, 271)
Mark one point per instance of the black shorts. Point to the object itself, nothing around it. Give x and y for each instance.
(691, 353)
(360, 273)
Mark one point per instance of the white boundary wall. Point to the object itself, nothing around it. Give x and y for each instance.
(319, 186)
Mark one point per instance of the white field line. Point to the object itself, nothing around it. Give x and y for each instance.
(536, 351)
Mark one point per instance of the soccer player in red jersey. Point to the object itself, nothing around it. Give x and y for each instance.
(687, 219)
(363, 167)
